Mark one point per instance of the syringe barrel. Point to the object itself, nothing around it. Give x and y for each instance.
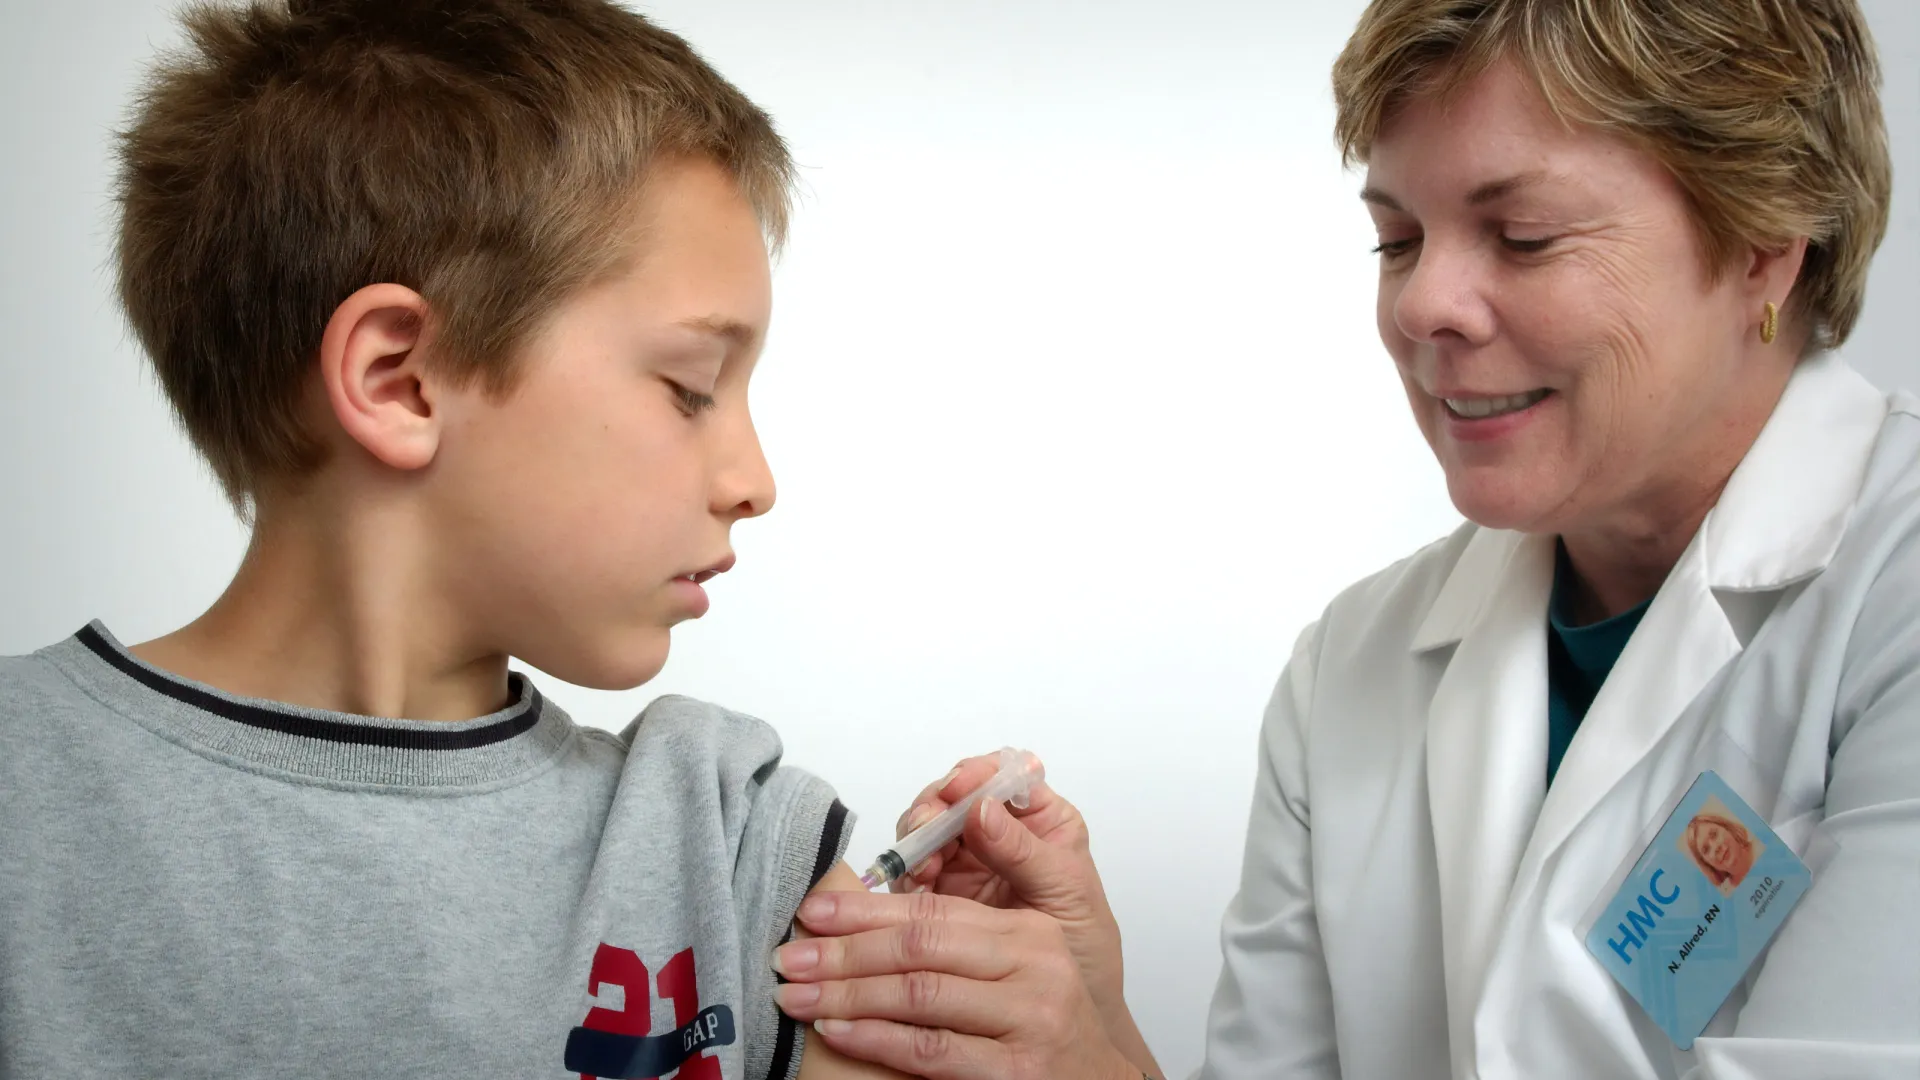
(1019, 771)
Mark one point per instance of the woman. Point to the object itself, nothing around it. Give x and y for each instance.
(1722, 848)
(1619, 240)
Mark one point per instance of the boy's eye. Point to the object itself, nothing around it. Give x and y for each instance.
(1391, 249)
(691, 402)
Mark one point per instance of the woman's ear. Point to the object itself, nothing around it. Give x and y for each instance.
(374, 370)
(1773, 272)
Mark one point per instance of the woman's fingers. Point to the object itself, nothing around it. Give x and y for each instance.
(965, 777)
(837, 914)
(928, 872)
(947, 988)
(946, 791)
(923, 998)
(917, 1051)
(925, 806)
(966, 949)
(1046, 815)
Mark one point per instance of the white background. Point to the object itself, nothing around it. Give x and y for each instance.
(1073, 397)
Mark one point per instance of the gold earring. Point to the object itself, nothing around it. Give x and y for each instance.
(1769, 323)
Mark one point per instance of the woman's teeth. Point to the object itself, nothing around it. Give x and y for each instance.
(1481, 408)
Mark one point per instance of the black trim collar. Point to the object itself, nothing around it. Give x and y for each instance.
(527, 711)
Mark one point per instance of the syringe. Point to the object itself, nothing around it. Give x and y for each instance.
(1019, 771)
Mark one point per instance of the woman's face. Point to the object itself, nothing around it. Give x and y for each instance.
(1717, 847)
(1566, 351)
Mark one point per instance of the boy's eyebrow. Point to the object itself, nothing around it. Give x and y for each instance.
(735, 332)
(1377, 197)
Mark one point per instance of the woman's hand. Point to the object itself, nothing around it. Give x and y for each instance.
(1036, 928)
(1036, 858)
(946, 988)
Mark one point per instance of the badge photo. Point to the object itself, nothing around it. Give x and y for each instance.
(1700, 904)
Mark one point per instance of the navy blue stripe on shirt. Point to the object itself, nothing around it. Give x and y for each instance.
(310, 727)
(788, 1033)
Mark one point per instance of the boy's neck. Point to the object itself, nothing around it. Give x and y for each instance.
(335, 607)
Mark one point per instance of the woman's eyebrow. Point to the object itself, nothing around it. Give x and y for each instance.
(1500, 189)
(1491, 191)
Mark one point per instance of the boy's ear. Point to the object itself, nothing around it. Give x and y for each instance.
(373, 367)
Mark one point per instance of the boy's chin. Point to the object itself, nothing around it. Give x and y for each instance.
(616, 661)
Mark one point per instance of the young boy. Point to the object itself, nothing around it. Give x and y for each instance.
(460, 299)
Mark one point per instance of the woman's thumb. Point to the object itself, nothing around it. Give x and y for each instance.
(1042, 874)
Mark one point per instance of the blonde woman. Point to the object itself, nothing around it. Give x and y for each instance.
(1621, 244)
(1722, 848)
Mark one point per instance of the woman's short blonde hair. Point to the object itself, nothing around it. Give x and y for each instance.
(1766, 111)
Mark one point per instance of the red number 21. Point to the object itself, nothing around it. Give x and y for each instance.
(625, 969)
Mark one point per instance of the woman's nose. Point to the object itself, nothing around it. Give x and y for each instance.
(1442, 300)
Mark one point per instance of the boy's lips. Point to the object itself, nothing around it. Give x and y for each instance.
(701, 577)
(688, 585)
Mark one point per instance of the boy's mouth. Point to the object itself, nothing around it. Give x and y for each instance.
(701, 577)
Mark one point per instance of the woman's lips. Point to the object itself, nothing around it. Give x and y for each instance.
(1487, 417)
(1487, 407)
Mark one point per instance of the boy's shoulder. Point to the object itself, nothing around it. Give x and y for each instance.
(40, 688)
(718, 762)
(31, 673)
(37, 670)
(684, 729)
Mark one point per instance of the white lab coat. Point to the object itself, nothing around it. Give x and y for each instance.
(1414, 897)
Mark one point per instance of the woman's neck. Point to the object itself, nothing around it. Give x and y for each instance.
(1617, 570)
(1622, 556)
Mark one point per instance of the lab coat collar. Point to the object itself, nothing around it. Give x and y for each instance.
(1786, 507)
(1778, 522)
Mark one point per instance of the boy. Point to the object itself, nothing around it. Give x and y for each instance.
(459, 299)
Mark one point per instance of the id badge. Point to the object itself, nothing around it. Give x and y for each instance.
(1698, 906)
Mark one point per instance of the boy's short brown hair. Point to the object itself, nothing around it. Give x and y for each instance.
(481, 152)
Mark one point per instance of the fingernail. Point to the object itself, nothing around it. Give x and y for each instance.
(818, 906)
(795, 995)
(993, 819)
(920, 816)
(831, 1028)
(791, 960)
(948, 779)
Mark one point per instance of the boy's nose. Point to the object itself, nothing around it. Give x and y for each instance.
(744, 487)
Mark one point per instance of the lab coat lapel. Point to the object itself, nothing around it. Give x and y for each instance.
(1778, 521)
(1486, 747)
(1681, 642)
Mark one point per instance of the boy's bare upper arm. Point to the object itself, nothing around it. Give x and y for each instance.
(823, 1062)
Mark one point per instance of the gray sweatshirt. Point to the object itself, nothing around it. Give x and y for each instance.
(194, 884)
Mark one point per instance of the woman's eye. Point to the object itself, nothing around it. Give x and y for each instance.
(1389, 249)
(692, 401)
(1525, 245)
